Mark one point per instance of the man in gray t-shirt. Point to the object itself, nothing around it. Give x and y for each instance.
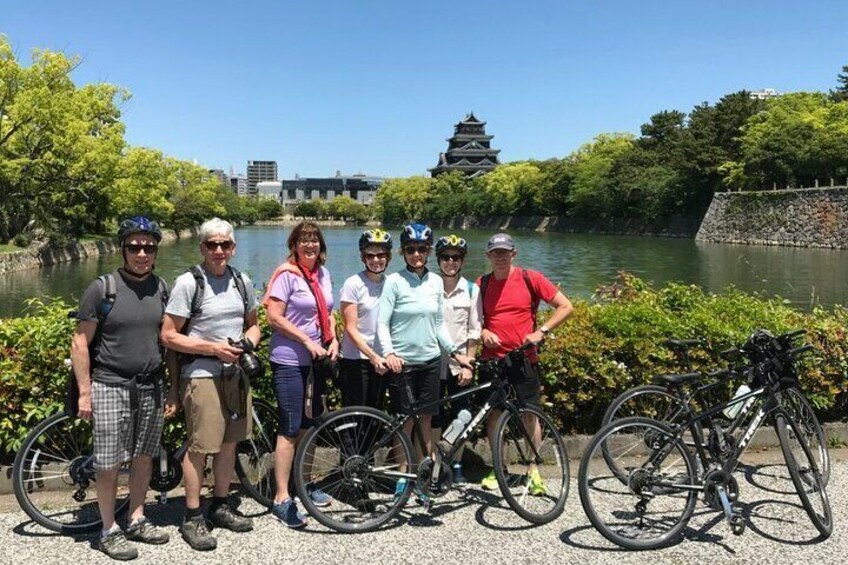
(117, 362)
(210, 376)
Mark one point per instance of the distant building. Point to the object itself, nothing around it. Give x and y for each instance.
(238, 184)
(763, 94)
(361, 188)
(469, 150)
(269, 189)
(260, 171)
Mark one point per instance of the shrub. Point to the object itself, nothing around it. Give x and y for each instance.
(609, 344)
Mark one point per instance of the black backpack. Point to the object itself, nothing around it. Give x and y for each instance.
(200, 292)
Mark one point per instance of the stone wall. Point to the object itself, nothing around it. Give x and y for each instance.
(39, 255)
(808, 217)
(674, 227)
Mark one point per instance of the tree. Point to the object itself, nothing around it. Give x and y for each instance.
(269, 208)
(511, 189)
(402, 199)
(59, 145)
(841, 92)
(143, 185)
(592, 191)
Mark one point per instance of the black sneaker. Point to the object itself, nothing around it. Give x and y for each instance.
(197, 535)
(115, 545)
(145, 532)
(223, 516)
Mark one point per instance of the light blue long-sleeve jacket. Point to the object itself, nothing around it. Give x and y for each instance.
(410, 323)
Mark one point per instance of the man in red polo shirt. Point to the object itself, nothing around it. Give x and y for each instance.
(508, 300)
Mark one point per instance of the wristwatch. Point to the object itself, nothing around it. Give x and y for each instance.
(544, 330)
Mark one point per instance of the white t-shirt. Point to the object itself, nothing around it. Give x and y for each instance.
(365, 294)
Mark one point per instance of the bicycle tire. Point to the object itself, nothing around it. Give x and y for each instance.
(796, 404)
(53, 464)
(255, 456)
(606, 501)
(348, 454)
(803, 468)
(516, 480)
(648, 401)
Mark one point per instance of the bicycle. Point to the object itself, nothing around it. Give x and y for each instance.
(652, 506)
(666, 398)
(363, 459)
(53, 474)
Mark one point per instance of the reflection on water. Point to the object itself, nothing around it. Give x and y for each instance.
(578, 262)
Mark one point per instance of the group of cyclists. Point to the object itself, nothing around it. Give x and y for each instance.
(142, 351)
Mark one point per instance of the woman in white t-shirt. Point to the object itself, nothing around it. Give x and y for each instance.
(362, 365)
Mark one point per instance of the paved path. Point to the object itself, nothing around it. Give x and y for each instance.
(473, 526)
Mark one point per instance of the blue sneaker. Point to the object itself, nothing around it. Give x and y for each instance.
(421, 498)
(400, 488)
(287, 513)
(319, 497)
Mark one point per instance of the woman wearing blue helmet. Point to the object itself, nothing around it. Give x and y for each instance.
(412, 333)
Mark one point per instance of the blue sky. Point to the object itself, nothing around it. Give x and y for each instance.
(376, 86)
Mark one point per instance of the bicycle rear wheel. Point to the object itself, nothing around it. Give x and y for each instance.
(647, 401)
(534, 487)
(652, 507)
(255, 456)
(804, 470)
(797, 406)
(53, 476)
(360, 457)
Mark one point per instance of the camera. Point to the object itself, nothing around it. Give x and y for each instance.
(248, 360)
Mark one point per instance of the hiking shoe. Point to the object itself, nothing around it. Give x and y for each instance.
(196, 534)
(145, 532)
(536, 486)
(490, 482)
(317, 496)
(115, 545)
(458, 475)
(223, 516)
(421, 498)
(287, 513)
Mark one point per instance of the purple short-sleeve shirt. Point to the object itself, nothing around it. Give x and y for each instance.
(301, 311)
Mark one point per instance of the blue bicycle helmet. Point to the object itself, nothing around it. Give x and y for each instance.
(138, 224)
(416, 233)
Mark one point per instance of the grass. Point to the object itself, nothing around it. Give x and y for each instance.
(10, 248)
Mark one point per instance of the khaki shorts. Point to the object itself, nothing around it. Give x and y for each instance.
(208, 422)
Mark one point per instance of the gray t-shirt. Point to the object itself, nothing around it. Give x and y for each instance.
(221, 317)
(129, 338)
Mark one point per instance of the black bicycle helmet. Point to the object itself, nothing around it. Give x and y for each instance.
(451, 241)
(138, 224)
(375, 236)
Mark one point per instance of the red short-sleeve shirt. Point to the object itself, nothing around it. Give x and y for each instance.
(507, 308)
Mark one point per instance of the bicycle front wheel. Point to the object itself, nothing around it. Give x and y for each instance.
(652, 506)
(796, 405)
(363, 460)
(255, 456)
(804, 470)
(531, 464)
(53, 476)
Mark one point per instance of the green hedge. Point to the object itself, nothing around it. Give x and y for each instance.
(609, 344)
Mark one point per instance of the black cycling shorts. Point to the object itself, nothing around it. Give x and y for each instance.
(423, 379)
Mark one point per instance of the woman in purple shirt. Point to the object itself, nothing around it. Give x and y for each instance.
(299, 303)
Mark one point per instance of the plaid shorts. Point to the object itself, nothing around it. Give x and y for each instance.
(115, 432)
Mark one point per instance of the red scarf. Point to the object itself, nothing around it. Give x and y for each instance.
(311, 278)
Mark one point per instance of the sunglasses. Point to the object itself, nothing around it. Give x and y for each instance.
(148, 248)
(420, 249)
(376, 255)
(455, 258)
(224, 245)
